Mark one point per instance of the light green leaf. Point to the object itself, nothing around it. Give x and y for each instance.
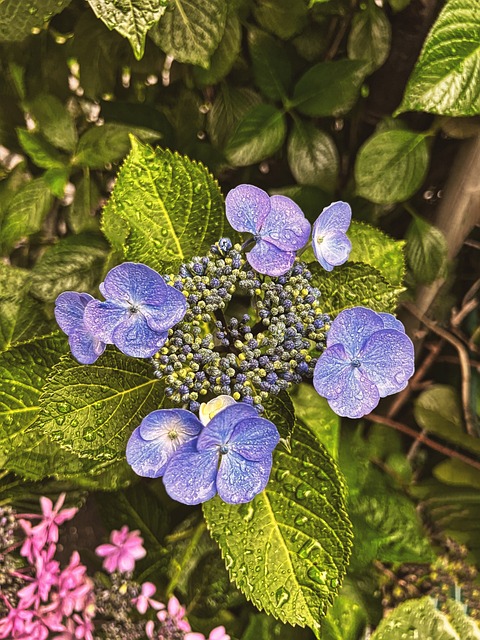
(314, 412)
(54, 121)
(91, 410)
(279, 409)
(271, 66)
(399, 5)
(25, 213)
(17, 19)
(287, 550)
(313, 156)
(445, 79)
(164, 208)
(75, 263)
(40, 151)
(458, 473)
(283, 18)
(372, 246)
(370, 37)
(259, 134)
(347, 618)
(352, 285)
(131, 18)
(224, 56)
(329, 88)
(263, 627)
(230, 105)
(426, 250)
(464, 625)
(191, 30)
(56, 179)
(391, 166)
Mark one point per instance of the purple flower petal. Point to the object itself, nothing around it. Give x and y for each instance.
(335, 217)
(165, 421)
(359, 395)
(333, 250)
(331, 372)
(387, 358)
(165, 314)
(285, 226)
(247, 207)
(190, 475)
(85, 347)
(390, 322)
(269, 260)
(240, 480)
(351, 328)
(254, 438)
(101, 318)
(134, 337)
(220, 428)
(69, 310)
(134, 283)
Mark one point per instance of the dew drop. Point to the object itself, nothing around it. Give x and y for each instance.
(63, 407)
(88, 434)
(282, 596)
(320, 577)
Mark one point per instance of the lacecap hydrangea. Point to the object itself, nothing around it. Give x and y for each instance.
(227, 331)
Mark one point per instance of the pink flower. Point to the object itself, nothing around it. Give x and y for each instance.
(75, 589)
(125, 548)
(144, 600)
(32, 545)
(52, 517)
(46, 577)
(17, 622)
(218, 633)
(176, 613)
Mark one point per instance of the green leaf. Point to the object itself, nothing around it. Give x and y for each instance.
(132, 18)
(271, 66)
(190, 31)
(370, 37)
(164, 208)
(426, 250)
(372, 246)
(313, 156)
(464, 625)
(314, 412)
(283, 18)
(279, 409)
(259, 134)
(40, 151)
(445, 77)
(26, 212)
(92, 410)
(263, 627)
(458, 473)
(11, 117)
(230, 105)
(54, 121)
(187, 544)
(81, 213)
(56, 180)
(75, 263)
(287, 550)
(347, 618)
(399, 5)
(416, 618)
(352, 285)
(17, 19)
(224, 56)
(391, 166)
(329, 88)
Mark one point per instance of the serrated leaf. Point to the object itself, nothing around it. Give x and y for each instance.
(75, 263)
(258, 135)
(418, 618)
(131, 18)
(271, 66)
(298, 523)
(426, 250)
(313, 157)
(17, 19)
(352, 285)
(372, 246)
(314, 412)
(191, 30)
(26, 212)
(224, 56)
(230, 105)
(279, 409)
(91, 410)
(283, 18)
(164, 208)
(445, 77)
(391, 166)
(329, 88)
(54, 121)
(370, 37)
(463, 624)
(40, 151)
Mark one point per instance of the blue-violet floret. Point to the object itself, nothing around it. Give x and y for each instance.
(329, 241)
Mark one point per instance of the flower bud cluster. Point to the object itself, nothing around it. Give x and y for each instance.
(246, 352)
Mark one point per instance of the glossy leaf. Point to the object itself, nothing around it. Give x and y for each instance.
(271, 65)
(17, 19)
(445, 77)
(224, 56)
(164, 208)
(314, 412)
(287, 550)
(391, 166)
(372, 246)
(426, 250)
(370, 36)
(279, 410)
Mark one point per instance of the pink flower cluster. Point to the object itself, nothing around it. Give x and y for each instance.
(54, 600)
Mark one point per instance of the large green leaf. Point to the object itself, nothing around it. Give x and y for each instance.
(230, 105)
(279, 409)
(283, 18)
(91, 410)
(259, 134)
(54, 121)
(445, 79)
(17, 19)
(329, 88)
(313, 156)
(426, 250)
(314, 411)
(131, 18)
(271, 66)
(391, 166)
(370, 36)
(191, 30)
(164, 208)
(224, 56)
(40, 151)
(288, 549)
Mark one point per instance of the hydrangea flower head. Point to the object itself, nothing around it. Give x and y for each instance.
(368, 357)
(124, 549)
(159, 435)
(232, 457)
(277, 224)
(138, 311)
(69, 313)
(330, 244)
